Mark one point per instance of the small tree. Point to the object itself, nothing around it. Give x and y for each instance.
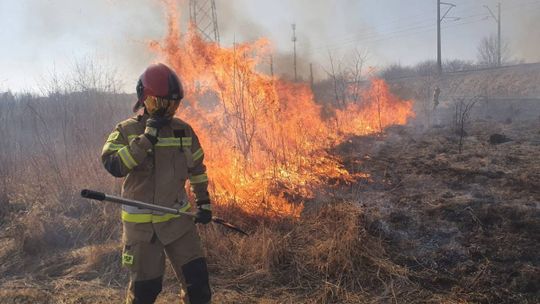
(488, 51)
(347, 76)
(462, 115)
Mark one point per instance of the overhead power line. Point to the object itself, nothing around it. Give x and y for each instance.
(416, 27)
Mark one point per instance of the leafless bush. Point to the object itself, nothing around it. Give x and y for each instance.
(86, 75)
(89, 75)
(462, 113)
(347, 76)
(244, 106)
(50, 151)
(488, 51)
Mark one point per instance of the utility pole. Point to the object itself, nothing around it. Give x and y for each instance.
(499, 33)
(311, 75)
(294, 44)
(272, 66)
(439, 20)
(439, 62)
(498, 20)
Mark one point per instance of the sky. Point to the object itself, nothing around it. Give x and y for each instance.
(43, 37)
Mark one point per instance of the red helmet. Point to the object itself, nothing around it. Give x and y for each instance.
(158, 80)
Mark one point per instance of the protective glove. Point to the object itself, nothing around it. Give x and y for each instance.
(153, 125)
(204, 213)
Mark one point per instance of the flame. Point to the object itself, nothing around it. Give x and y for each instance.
(264, 138)
(379, 109)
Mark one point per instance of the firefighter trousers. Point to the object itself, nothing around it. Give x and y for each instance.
(146, 264)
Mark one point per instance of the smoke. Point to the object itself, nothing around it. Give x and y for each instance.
(343, 25)
(316, 24)
(54, 33)
(524, 36)
(520, 20)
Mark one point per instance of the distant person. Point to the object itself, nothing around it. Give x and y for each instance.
(436, 94)
(157, 153)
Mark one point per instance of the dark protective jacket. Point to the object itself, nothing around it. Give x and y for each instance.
(156, 174)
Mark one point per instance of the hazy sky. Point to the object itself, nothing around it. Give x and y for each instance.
(42, 36)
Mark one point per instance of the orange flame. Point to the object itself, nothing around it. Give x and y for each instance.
(264, 139)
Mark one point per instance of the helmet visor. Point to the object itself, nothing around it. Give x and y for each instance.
(158, 106)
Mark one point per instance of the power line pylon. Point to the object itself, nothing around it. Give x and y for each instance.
(203, 15)
(294, 39)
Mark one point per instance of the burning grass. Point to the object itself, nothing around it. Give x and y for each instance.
(426, 226)
(264, 137)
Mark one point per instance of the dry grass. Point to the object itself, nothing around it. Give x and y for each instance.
(438, 228)
(325, 257)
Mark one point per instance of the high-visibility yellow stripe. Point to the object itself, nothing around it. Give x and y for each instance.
(198, 154)
(151, 218)
(197, 179)
(147, 218)
(126, 157)
(164, 218)
(112, 147)
(185, 208)
(113, 136)
(174, 142)
(187, 141)
(136, 217)
(169, 141)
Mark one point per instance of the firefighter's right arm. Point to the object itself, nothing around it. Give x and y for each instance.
(120, 156)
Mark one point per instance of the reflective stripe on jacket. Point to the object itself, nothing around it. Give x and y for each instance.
(156, 174)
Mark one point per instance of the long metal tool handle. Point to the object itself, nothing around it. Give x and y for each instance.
(100, 196)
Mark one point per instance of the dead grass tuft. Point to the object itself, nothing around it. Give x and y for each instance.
(327, 256)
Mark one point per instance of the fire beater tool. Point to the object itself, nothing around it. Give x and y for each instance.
(100, 196)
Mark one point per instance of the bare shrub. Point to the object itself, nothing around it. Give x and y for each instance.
(462, 114)
(488, 53)
(50, 152)
(346, 77)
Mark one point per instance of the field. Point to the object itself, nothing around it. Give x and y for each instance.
(418, 222)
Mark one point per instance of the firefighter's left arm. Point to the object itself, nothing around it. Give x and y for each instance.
(197, 174)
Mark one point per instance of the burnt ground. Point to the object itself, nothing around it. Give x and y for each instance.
(467, 226)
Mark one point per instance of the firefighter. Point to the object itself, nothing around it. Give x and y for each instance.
(436, 94)
(156, 153)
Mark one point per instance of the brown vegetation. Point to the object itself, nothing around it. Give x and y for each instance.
(422, 224)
